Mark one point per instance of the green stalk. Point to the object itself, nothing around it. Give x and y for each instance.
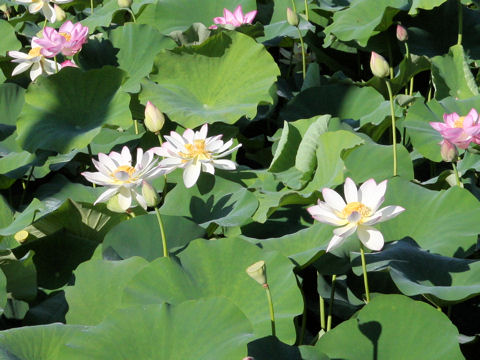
(270, 308)
(135, 123)
(162, 232)
(407, 55)
(56, 63)
(460, 23)
(322, 313)
(330, 306)
(306, 10)
(364, 269)
(304, 65)
(394, 132)
(89, 148)
(390, 57)
(457, 177)
(91, 6)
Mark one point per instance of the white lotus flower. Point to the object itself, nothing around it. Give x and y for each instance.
(34, 61)
(194, 152)
(115, 171)
(44, 6)
(358, 213)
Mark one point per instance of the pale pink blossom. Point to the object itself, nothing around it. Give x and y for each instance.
(33, 60)
(459, 130)
(235, 19)
(68, 63)
(68, 40)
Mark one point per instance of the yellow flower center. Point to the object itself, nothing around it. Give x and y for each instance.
(67, 36)
(124, 174)
(356, 206)
(459, 122)
(196, 151)
(34, 52)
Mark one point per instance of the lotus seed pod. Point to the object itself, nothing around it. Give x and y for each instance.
(292, 17)
(402, 33)
(150, 194)
(258, 272)
(21, 236)
(154, 119)
(379, 65)
(124, 3)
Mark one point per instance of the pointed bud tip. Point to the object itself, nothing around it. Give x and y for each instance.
(292, 17)
(154, 119)
(378, 65)
(402, 33)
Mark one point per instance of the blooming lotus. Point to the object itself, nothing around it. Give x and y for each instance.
(194, 152)
(459, 130)
(43, 6)
(115, 171)
(357, 214)
(234, 19)
(68, 40)
(34, 60)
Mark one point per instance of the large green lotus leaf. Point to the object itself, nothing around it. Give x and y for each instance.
(194, 330)
(3, 292)
(223, 79)
(361, 20)
(211, 200)
(217, 268)
(12, 98)
(360, 166)
(9, 39)
(469, 161)
(444, 222)
(21, 275)
(416, 271)
(102, 16)
(36, 342)
(172, 15)
(98, 288)
(66, 111)
(425, 5)
(452, 76)
(424, 138)
(269, 347)
(136, 57)
(393, 327)
(141, 236)
(344, 101)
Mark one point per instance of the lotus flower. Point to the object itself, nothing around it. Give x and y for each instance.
(115, 171)
(68, 63)
(235, 19)
(194, 152)
(459, 130)
(68, 40)
(33, 60)
(357, 214)
(43, 6)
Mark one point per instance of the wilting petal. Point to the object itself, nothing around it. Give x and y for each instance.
(370, 237)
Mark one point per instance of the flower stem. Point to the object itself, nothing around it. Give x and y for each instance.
(159, 138)
(330, 306)
(91, 6)
(162, 232)
(365, 279)
(407, 55)
(306, 10)
(455, 171)
(322, 313)
(270, 307)
(302, 45)
(460, 23)
(89, 148)
(394, 132)
(135, 123)
(56, 63)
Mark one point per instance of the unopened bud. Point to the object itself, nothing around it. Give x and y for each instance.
(124, 3)
(379, 65)
(292, 17)
(402, 33)
(150, 194)
(448, 151)
(59, 13)
(21, 236)
(154, 118)
(258, 272)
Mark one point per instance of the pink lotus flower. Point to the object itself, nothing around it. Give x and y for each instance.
(459, 130)
(68, 40)
(68, 63)
(235, 19)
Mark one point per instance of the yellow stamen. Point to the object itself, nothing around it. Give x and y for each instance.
(34, 52)
(356, 206)
(67, 36)
(459, 122)
(196, 151)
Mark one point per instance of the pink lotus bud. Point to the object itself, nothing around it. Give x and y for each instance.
(448, 150)
(68, 63)
(379, 65)
(154, 118)
(292, 17)
(402, 34)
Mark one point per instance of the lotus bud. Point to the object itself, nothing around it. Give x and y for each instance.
(124, 3)
(402, 33)
(154, 118)
(150, 194)
(379, 65)
(292, 17)
(21, 236)
(59, 13)
(258, 272)
(448, 150)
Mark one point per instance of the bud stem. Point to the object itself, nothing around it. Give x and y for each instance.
(270, 307)
(455, 171)
(302, 45)
(322, 313)
(460, 23)
(306, 10)
(162, 232)
(89, 148)
(394, 132)
(330, 305)
(135, 123)
(91, 6)
(365, 279)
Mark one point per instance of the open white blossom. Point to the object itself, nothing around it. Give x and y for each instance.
(34, 61)
(195, 152)
(44, 6)
(115, 171)
(357, 214)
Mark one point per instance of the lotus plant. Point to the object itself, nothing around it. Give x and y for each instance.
(44, 6)
(195, 152)
(235, 19)
(116, 172)
(33, 60)
(68, 40)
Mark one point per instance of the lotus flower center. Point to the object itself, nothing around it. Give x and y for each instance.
(459, 122)
(67, 36)
(356, 206)
(123, 174)
(196, 151)
(34, 52)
